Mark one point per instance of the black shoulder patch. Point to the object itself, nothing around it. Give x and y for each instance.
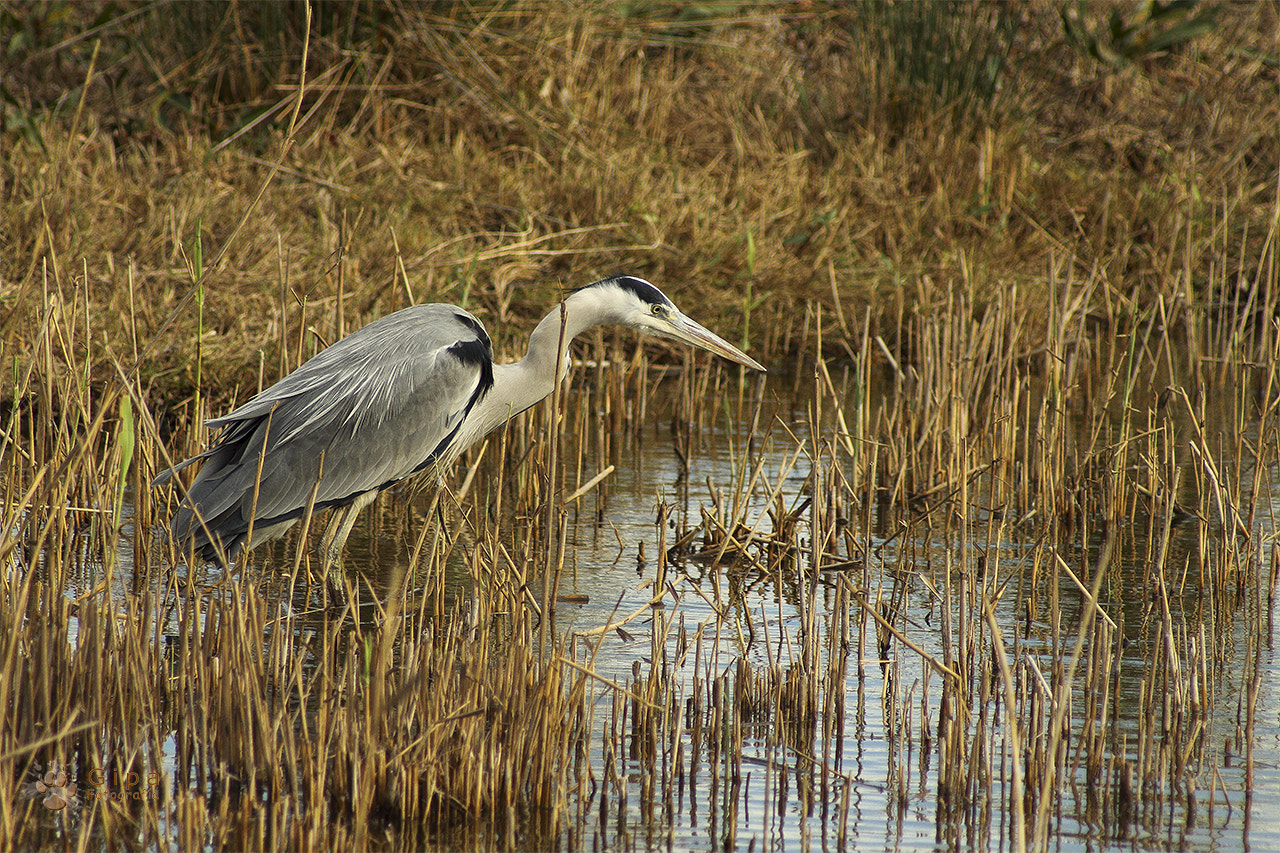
(478, 353)
(474, 325)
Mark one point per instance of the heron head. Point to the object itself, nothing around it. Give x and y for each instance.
(647, 310)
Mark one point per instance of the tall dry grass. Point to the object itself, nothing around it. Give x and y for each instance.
(760, 160)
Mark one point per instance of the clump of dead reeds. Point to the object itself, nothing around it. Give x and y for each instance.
(954, 577)
(1078, 548)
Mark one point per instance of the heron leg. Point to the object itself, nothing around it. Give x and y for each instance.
(335, 536)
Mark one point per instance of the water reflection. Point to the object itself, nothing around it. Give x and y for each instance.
(727, 512)
(869, 768)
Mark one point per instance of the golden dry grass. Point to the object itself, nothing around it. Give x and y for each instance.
(764, 155)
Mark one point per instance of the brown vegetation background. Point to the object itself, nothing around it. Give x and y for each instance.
(765, 164)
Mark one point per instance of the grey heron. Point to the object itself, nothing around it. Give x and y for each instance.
(403, 396)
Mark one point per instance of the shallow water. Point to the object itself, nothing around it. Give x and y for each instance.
(863, 774)
(879, 786)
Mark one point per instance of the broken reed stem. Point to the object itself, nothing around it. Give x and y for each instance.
(551, 564)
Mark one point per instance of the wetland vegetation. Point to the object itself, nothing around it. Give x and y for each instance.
(987, 561)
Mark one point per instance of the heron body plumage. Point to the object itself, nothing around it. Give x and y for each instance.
(403, 395)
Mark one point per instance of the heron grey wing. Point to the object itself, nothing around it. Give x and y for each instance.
(401, 418)
(377, 410)
(418, 329)
(366, 382)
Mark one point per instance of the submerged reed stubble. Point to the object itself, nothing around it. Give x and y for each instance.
(926, 583)
(997, 513)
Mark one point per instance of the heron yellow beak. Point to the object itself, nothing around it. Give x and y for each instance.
(687, 331)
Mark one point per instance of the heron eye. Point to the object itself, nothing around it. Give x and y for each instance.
(656, 310)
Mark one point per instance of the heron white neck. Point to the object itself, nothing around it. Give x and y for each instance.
(518, 386)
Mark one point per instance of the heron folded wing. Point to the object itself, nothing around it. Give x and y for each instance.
(377, 407)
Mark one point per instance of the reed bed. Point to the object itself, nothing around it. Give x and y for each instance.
(990, 559)
(1036, 569)
(1039, 550)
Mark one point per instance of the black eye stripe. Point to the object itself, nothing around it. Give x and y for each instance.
(641, 289)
